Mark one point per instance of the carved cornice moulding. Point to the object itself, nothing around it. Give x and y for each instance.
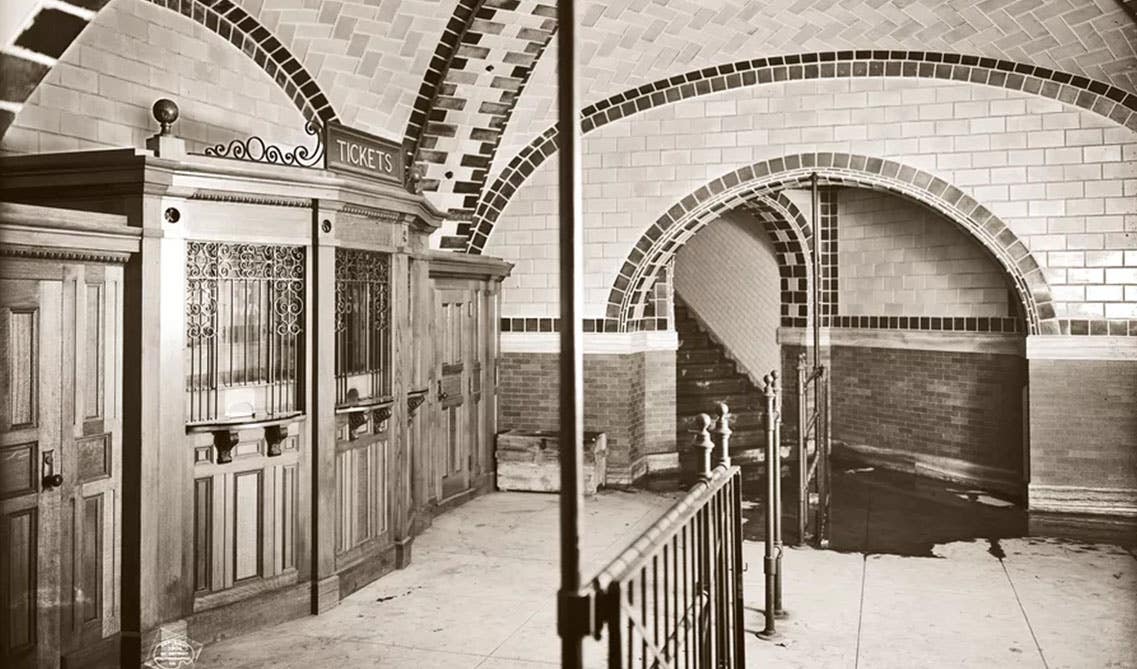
(30, 231)
(464, 266)
(57, 253)
(236, 197)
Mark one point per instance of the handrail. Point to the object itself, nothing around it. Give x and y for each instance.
(640, 551)
(675, 593)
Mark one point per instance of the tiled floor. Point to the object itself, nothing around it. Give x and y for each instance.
(480, 593)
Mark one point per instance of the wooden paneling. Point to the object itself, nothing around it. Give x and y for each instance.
(95, 372)
(361, 490)
(202, 534)
(18, 466)
(247, 516)
(23, 374)
(18, 584)
(94, 457)
(285, 518)
(89, 576)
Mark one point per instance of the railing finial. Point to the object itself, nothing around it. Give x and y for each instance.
(703, 441)
(723, 430)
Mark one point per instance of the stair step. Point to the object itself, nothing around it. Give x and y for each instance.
(697, 404)
(696, 340)
(720, 386)
(712, 370)
(700, 355)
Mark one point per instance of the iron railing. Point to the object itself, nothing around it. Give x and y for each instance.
(674, 597)
(813, 450)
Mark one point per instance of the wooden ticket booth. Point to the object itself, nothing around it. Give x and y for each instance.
(285, 383)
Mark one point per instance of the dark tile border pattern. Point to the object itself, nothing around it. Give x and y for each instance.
(694, 211)
(433, 134)
(966, 324)
(1095, 96)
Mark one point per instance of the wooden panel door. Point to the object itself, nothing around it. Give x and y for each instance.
(60, 441)
(30, 431)
(453, 444)
(92, 298)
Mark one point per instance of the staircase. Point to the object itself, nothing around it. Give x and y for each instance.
(704, 376)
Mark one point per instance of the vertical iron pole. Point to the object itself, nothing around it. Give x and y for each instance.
(802, 452)
(816, 253)
(570, 625)
(777, 469)
(768, 564)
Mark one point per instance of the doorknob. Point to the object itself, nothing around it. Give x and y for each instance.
(51, 479)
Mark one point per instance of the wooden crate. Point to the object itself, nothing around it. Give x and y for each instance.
(529, 460)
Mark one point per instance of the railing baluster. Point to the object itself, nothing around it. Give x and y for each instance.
(614, 613)
(643, 618)
(655, 600)
(739, 608)
(631, 626)
(688, 559)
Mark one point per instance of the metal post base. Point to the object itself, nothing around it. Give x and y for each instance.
(767, 634)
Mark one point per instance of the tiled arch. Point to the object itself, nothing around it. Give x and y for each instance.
(1094, 96)
(789, 233)
(481, 65)
(52, 31)
(666, 235)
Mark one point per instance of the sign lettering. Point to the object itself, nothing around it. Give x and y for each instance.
(350, 150)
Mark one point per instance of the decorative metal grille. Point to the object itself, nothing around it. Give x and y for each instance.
(244, 327)
(363, 325)
(257, 150)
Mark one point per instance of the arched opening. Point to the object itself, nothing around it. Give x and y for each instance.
(924, 313)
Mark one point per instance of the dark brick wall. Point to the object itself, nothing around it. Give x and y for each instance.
(659, 402)
(621, 397)
(966, 406)
(1083, 423)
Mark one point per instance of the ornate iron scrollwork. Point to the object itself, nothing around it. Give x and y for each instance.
(265, 285)
(257, 150)
(362, 268)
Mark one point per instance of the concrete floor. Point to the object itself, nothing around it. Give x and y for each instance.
(480, 593)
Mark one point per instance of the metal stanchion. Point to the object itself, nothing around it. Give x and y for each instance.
(574, 611)
(776, 468)
(769, 564)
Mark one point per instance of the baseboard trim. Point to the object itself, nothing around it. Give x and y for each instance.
(944, 468)
(1082, 499)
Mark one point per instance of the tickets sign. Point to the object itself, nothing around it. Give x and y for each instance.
(349, 150)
